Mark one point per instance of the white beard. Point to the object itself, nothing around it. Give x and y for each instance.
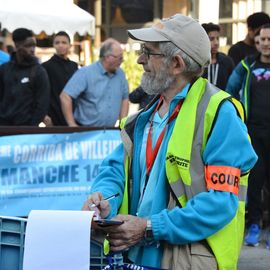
(158, 82)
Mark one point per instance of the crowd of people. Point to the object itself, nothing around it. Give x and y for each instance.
(186, 162)
(100, 91)
(56, 92)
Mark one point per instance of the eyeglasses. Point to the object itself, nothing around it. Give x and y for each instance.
(147, 52)
(119, 57)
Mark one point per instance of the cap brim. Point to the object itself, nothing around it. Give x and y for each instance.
(147, 35)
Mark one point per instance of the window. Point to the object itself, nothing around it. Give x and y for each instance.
(225, 8)
(266, 6)
(225, 21)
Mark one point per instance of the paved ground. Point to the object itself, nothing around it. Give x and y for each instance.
(255, 258)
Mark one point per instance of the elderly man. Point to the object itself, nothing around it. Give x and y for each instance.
(182, 168)
(100, 90)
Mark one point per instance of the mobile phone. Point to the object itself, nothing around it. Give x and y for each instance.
(108, 222)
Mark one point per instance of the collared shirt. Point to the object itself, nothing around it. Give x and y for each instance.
(145, 203)
(98, 95)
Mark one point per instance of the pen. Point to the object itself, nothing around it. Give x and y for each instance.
(106, 199)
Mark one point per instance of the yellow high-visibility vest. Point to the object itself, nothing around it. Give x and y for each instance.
(193, 126)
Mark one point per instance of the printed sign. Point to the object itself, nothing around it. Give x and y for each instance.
(51, 171)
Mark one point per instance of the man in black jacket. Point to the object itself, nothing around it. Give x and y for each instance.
(243, 48)
(59, 69)
(24, 85)
(221, 66)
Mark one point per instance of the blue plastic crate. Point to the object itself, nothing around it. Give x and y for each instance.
(12, 234)
(97, 259)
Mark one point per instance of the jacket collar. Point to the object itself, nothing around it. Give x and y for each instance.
(33, 61)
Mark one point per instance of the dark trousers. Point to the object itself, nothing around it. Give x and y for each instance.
(260, 174)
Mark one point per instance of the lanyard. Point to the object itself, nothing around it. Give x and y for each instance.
(213, 73)
(150, 152)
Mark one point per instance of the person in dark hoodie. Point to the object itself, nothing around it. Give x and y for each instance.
(24, 84)
(59, 69)
(221, 66)
(246, 47)
(250, 82)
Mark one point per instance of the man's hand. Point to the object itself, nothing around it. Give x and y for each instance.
(128, 234)
(48, 121)
(101, 208)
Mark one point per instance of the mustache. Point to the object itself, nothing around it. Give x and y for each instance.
(157, 83)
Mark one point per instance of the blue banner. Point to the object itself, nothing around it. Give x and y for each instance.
(50, 171)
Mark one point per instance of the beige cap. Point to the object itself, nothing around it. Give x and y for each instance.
(185, 32)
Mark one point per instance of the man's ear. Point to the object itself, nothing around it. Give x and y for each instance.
(178, 65)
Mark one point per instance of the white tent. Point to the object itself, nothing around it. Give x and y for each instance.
(49, 16)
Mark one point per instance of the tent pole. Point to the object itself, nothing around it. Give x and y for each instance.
(98, 15)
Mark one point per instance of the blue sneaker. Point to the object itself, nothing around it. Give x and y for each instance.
(268, 241)
(253, 236)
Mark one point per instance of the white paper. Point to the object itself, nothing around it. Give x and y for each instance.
(57, 240)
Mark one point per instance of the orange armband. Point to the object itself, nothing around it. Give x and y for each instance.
(223, 178)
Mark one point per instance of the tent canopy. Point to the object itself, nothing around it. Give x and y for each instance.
(50, 16)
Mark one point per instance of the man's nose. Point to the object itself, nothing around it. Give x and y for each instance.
(142, 59)
(216, 41)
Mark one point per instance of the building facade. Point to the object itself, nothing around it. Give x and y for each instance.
(114, 17)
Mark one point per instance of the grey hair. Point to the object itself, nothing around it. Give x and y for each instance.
(107, 47)
(193, 69)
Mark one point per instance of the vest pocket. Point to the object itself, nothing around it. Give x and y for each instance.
(202, 256)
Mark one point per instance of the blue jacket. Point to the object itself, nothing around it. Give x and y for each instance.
(4, 57)
(201, 217)
(239, 82)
